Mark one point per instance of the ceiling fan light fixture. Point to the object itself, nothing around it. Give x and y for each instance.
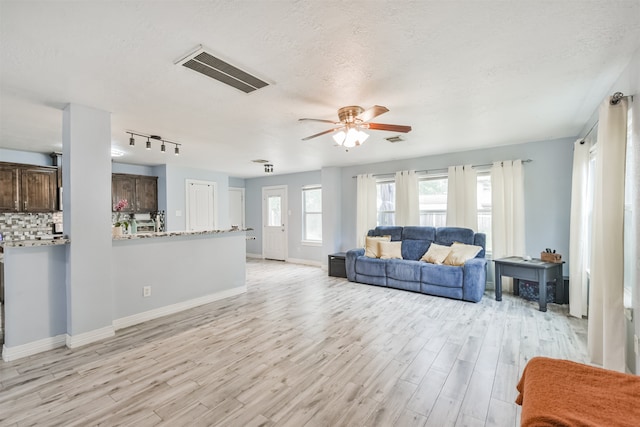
(339, 137)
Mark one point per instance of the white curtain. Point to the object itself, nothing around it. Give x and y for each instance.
(579, 229)
(366, 208)
(462, 197)
(606, 327)
(507, 212)
(407, 198)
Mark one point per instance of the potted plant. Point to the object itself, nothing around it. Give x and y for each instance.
(117, 226)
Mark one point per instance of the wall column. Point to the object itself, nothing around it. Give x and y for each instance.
(86, 136)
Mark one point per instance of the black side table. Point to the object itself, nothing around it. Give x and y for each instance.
(336, 265)
(534, 270)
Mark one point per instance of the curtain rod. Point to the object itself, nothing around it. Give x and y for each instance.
(615, 100)
(442, 169)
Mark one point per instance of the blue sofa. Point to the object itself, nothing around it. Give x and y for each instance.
(465, 282)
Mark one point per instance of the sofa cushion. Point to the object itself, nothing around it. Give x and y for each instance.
(390, 250)
(461, 253)
(403, 270)
(414, 249)
(371, 247)
(448, 235)
(371, 267)
(436, 254)
(416, 241)
(387, 230)
(441, 275)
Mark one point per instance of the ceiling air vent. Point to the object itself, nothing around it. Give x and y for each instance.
(205, 63)
(394, 139)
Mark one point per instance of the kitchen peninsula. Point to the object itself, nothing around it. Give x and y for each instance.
(152, 275)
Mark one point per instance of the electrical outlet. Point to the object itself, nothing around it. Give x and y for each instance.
(146, 291)
(635, 344)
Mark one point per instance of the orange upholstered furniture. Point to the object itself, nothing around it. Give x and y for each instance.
(562, 393)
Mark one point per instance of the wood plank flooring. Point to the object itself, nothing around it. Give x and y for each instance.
(299, 349)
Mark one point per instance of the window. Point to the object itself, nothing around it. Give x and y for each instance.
(386, 202)
(312, 214)
(484, 206)
(433, 201)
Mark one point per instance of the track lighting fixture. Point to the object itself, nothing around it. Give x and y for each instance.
(163, 146)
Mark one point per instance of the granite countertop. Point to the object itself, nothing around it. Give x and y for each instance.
(176, 233)
(34, 242)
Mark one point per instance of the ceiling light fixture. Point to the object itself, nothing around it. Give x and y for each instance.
(351, 138)
(163, 146)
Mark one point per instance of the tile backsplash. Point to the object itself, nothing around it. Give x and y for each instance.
(28, 226)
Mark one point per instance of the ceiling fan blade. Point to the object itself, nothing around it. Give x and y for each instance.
(391, 128)
(320, 120)
(322, 133)
(371, 113)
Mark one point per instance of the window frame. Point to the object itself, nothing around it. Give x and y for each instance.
(305, 240)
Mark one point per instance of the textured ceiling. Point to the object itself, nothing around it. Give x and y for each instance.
(463, 74)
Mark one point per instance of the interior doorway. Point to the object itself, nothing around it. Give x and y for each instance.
(236, 207)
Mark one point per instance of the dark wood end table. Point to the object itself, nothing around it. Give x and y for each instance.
(533, 270)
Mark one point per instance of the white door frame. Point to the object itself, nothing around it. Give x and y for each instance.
(285, 216)
(215, 200)
(241, 191)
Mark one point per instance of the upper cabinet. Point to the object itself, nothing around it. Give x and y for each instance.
(26, 188)
(140, 191)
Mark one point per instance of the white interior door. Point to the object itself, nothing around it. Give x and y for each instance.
(236, 207)
(201, 204)
(274, 222)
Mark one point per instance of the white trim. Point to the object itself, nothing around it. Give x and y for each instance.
(258, 256)
(215, 200)
(14, 353)
(304, 262)
(78, 340)
(125, 322)
(311, 242)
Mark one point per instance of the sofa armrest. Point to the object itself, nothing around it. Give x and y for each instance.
(350, 262)
(475, 279)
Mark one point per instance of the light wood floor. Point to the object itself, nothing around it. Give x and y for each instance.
(299, 349)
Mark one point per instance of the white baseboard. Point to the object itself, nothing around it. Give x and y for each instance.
(78, 340)
(125, 322)
(249, 255)
(13, 353)
(304, 262)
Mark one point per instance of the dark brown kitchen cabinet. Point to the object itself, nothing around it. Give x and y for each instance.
(39, 189)
(26, 188)
(9, 177)
(140, 191)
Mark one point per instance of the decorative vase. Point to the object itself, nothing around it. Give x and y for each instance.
(116, 231)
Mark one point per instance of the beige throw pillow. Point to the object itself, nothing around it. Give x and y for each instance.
(461, 253)
(436, 254)
(390, 250)
(371, 245)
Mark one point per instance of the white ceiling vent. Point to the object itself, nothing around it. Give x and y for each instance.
(206, 63)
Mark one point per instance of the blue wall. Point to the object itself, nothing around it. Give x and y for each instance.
(547, 186)
(253, 214)
(26, 157)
